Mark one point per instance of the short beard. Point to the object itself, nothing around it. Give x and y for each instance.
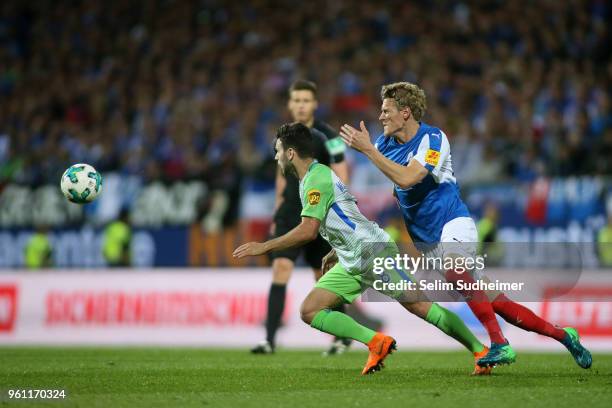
(290, 169)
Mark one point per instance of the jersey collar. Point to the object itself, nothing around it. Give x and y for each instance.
(312, 165)
(418, 133)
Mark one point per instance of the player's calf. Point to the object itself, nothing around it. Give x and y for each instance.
(480, 306)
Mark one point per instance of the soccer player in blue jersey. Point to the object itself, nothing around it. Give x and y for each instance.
(416, 157)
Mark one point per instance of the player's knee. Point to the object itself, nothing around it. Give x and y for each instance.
(419, 309)
(281, 270)
(308, 311)
(454, 276)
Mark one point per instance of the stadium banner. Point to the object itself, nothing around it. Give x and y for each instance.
(169, 246)
(151, 205)
(82, 248)
(227, 308)
(570, 208)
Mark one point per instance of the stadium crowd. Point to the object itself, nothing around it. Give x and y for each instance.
(194, 89)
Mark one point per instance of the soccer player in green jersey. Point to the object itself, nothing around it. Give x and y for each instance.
(330, 210)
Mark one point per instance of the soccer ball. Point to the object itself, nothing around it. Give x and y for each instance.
(81, 183)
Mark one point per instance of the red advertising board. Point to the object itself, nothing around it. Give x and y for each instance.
(586, 308)
(8, 307)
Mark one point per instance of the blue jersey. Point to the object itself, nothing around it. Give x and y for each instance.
(430, 204)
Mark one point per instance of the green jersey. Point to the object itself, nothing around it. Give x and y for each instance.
(356, 239)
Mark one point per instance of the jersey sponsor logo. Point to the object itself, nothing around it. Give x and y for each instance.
(432, 157)
(314, 197)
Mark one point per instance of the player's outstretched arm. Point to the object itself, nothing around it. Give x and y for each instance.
(305, 232)
(402, 176)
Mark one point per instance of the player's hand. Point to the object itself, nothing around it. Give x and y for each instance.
(329, 261)
(249, 249)
(357, 139)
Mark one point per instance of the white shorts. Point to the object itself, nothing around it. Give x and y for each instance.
(459, 238)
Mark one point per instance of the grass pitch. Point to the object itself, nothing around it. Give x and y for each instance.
(145, 377)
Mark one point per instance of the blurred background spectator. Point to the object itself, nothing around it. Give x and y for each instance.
(604, 240)
(488, 242)
(38, 250)
(117, 241)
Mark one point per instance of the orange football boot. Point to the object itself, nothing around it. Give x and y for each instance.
(478, 370)
(380, 346)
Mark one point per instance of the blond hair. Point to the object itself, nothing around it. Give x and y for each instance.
(406, 95)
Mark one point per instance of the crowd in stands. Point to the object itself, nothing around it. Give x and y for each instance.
(174, 90)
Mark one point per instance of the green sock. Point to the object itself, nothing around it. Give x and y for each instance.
(453, 326)
(341, 325)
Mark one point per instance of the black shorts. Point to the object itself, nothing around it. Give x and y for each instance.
(314, 251)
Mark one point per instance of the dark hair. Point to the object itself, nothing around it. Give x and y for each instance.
(298, 137)
(303, 85)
